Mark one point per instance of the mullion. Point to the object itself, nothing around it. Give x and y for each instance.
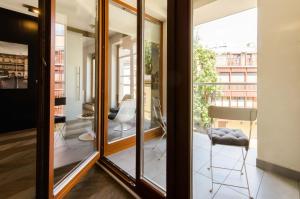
(140, 90)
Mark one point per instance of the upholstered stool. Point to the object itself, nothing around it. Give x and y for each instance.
(231, 137)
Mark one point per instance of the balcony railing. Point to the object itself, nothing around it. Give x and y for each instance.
(228, 94)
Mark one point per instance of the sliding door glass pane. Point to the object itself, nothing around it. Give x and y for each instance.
(121, 121)
(154, 149)
(152, 73)
(75, 83)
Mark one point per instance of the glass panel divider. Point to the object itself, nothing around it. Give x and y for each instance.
(140, 88)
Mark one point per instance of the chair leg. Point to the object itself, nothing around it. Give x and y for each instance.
(162, 155)
(246, 175)
(211, 169)
(60, 134)
(122, 129)
(243, 158)
(242, 164)
(56, 139)
(160, 139)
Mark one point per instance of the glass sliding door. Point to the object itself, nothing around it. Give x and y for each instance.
(127, 121)
(73, 92)
(121, 121)
(120, 97)
(155, 121)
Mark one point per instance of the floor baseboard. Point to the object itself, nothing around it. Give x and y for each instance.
(267, 166)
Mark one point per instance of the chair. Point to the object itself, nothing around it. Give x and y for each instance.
(60, 119)
(114, 111)
(231, 137)
(125, 115)
(159, 119)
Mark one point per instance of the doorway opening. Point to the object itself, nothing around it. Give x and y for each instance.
(224, 76)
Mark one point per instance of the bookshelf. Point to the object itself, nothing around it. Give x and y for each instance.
(59, 70)
(14, 65)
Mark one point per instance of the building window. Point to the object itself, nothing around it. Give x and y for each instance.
(237, 77)
(223, 77)
(218, 102)
(127, 71)
(234, 60)
(249, 103)
(221, 60)
(250, 59)
(225, 101)
(234, 102)
(241, 102)
(252, 77)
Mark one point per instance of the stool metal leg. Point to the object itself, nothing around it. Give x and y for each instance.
(243, 160)
(160, 140)
(240, 170)
(246, 175)
(211, 169)
(60, 134)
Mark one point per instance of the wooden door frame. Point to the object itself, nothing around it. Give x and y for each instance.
(45, 187)
(179, 99)
(45, 182)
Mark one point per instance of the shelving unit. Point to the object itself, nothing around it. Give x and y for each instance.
(16, 65)
(59, 70)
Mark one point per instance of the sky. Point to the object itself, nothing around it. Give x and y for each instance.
(234, 33)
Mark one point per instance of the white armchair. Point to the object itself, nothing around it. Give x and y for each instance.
(126, 113)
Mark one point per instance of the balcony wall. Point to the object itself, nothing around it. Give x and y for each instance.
(279, 82)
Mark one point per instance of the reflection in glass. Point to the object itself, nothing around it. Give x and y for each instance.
(155, 123)
(152, 85)
(122, 64)
(74, 88)
(122, 74)
(122, 67)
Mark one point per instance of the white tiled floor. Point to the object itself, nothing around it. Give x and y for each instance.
(263, 185)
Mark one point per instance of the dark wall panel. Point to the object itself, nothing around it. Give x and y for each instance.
(18, 106)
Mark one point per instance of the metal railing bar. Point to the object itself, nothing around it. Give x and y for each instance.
(225, 84)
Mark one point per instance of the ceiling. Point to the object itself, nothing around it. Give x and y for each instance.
(155, 8)
(81, 13)
(76, 13)
(16, 5)
(209, 10)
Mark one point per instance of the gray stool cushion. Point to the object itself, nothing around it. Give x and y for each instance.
(225, 136)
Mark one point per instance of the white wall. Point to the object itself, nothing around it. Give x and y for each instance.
(279, 82)
(88, 51)
(74, 60)
(112, 91)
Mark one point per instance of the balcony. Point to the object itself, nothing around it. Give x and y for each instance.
(225, 156)
(261, 183)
